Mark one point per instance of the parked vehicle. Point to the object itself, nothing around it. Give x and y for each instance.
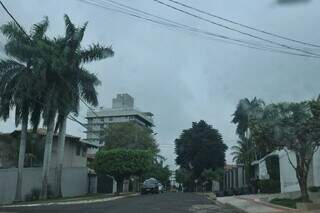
(150, 186)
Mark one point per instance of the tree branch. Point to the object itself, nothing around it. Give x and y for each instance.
(285, 149)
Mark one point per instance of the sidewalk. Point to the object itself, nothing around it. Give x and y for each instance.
(253, 204)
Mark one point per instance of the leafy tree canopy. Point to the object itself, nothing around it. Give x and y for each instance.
(293, 126)
(200, 147)
(183, 176)
(130, 136)
(122, 163)
(210, 175)
(242, 114)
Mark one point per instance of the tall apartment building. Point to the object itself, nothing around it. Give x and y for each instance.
(122, 110)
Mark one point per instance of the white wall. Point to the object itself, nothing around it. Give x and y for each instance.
(71, 159)
(74, 182)
(288, 179)
(316, 168)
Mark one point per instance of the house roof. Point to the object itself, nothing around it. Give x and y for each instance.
(274, 153)
(43, 132)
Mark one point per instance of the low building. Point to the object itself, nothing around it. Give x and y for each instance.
(75, 179)
(75, 150)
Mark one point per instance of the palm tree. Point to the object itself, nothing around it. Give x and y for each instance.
(243, 152)
(18, 83)
(76, 79)
(242, 114)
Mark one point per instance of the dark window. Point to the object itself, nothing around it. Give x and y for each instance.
(84, 151)
(78, 149)
(111, 119)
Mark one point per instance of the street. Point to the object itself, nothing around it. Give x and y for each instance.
(167, 202)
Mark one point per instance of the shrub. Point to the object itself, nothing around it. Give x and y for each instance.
(314, 188)
(50, 192)
(273, 168)
(269, 186)
(33, 195)
(291, 203)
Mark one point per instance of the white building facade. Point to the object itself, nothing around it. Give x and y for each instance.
(122, 111)
(288, 179)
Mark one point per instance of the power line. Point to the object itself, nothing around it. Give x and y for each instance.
(243, 25)
(235, 30)
(225, 39)
(12, 17)
(193, 29)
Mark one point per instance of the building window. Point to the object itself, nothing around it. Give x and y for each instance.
(84, 151)
(111, 119)
(78, 150)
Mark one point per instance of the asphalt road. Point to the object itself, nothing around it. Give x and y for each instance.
(164, 203)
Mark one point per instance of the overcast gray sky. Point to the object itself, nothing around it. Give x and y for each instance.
(181, 77)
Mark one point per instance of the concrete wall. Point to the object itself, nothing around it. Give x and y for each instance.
(289, 181)
(74, 182)
(241, 177)
(316, 168)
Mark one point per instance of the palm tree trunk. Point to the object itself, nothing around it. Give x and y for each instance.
(47, 159)
(61, 142)
(22, 152)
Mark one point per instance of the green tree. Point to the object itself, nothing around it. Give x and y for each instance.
(244, 153)
(184, 177)
(295, 126)
(122, 163)
(200, 147)
(80, 83)
(130, 136)
(210, 175)
(242, 114)
(19, 83)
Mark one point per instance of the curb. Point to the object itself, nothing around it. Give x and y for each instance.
(229, 206)
(268, 204)
(215, 201)
(71, 202)
(257, 201)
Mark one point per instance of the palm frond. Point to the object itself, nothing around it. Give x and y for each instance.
(13, 32)
(40, 29)
(70, 28)
(87, 83)
(80, 32)
(95, 52)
